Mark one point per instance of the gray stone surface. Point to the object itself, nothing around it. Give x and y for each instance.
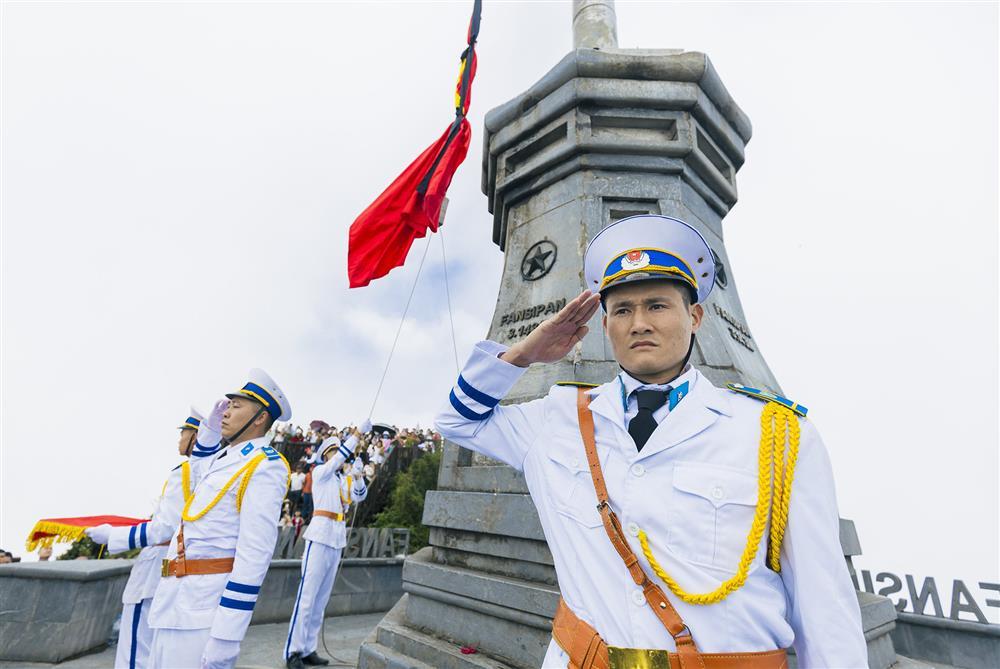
(956, 642)
(605, 134)
(262, 647)
(57, 610)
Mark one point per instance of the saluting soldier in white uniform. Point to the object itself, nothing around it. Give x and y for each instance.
(326, 536)
(682, 518)
(135, 636)
(228, 528)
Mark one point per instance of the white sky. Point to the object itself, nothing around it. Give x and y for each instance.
(178, 180)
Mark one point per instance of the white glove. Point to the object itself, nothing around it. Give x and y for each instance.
(220, 654)
(358, 468)
(366, 426)
(210, 432)
(214, 420)
(99, 534)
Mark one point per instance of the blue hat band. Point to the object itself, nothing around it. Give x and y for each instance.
(648, 261)
(254, 391)
(191, 423)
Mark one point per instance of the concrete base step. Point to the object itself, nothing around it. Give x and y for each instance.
(377, 656)
(393, 635)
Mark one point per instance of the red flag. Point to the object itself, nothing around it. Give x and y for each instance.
(382, 235)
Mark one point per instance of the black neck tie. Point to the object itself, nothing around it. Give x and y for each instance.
(643, 424)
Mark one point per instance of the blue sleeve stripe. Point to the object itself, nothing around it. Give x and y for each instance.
(345, 452)
(236, 604)
(241, 587)
(476, 395)
(142, 535)
(466, 411)
(131, 538)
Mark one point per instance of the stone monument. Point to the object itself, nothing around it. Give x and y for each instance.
(606, 134)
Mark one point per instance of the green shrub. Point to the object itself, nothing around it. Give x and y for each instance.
(406, 501)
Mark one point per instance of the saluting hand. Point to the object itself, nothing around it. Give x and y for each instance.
(555, 336)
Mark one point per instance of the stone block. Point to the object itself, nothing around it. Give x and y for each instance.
(501, 514)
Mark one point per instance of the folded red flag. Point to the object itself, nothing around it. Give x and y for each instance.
(49, 530)
(381, 236)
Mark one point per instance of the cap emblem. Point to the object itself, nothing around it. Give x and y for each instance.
(635, 260)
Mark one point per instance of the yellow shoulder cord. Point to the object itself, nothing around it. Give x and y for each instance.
(778, 424)
(346, 502)
(245, 471)
(186, 480)
(246, 479)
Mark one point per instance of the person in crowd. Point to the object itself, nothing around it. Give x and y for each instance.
(135, 638)
(646, 463)
(337, 483)
(295, 488)
(45, 553)
(307, 493)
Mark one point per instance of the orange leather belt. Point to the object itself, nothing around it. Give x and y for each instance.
(329, 514)
(181, 566)
(177, 567)
(590, 650)
(587, 650)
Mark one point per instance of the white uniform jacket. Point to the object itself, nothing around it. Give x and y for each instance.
(145, 575)
(329, 489)
(692, 489)
(225, 602)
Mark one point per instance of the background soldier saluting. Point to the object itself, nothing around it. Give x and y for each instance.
(681, 517)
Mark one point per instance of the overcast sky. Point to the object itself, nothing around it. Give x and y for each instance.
(178, 180)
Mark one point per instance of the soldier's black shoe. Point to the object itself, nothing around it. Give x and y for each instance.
(294, 661)
(314, 660)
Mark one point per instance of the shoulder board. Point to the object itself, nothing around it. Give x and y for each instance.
(270, 453)
(576, 384)
(766, 396)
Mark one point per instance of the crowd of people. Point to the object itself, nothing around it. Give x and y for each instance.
(299, 446)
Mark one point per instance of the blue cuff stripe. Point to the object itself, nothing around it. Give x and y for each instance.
(466, 411)
(241, 587)
(236, 604)
(142, 535)
(477, 395)
(131, 538)
(345, 452)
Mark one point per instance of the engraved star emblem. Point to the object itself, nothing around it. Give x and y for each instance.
(538, 260)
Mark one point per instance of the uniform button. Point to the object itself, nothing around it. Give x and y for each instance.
(638, 469)
(638, 598)
(717, 492)
(633, 529)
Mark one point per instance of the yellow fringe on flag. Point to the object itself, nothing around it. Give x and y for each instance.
(55, 532)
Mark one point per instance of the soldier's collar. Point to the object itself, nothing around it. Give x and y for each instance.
(247, 448)
(631, 384)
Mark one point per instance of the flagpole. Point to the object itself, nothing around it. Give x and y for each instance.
(595, 25)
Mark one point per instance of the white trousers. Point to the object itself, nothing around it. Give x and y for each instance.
(319, 570)
(177, 649)
(134, 636)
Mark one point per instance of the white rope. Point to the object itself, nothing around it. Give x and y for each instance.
(400, 328)
(447, 292)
